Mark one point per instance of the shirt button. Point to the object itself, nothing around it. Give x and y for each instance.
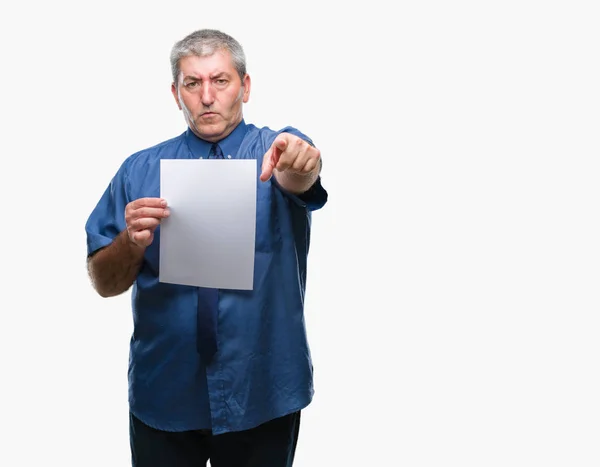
(228, 156)
(201, 157)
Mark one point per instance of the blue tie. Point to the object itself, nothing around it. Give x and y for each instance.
(208, 303)
(215, 152)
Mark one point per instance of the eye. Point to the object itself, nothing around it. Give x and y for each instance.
(191, 84)
(221, 81)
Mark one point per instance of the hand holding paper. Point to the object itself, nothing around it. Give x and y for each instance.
(142, 217)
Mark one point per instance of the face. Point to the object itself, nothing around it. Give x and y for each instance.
(210, 94)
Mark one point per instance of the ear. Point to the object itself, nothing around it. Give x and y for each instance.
(175, 95)
(246, 84)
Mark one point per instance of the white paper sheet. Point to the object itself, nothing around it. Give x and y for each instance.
(208, 239)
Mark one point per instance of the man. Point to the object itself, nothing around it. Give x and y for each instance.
(213, 374)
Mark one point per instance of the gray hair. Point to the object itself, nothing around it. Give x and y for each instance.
(206, 42)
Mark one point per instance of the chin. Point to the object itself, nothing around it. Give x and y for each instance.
(211, 131)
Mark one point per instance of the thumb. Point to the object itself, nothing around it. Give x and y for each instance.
(280, 143)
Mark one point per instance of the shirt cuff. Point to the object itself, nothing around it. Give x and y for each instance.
(314, 198)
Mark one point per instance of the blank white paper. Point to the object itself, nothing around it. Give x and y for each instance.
(208, 239)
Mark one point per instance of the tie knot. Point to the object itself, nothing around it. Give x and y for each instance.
(216, 152)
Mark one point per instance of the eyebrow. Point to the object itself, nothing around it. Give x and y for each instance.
(220, 75)
(216, 75)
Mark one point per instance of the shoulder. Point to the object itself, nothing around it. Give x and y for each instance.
(266, 135)
(152, 154)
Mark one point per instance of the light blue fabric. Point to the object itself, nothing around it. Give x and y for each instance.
(263, 368)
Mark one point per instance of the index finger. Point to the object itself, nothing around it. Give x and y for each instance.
(267, 167)
(148, 203)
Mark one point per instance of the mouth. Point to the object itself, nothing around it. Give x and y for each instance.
(208, 114)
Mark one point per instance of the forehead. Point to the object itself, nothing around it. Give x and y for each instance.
(219, 62)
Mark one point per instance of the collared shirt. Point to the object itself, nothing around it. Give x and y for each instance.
(263, 368)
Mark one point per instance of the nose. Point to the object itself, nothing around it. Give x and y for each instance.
(207, 94)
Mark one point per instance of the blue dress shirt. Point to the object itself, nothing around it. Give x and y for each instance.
(262, 369)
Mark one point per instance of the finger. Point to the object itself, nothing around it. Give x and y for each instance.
(267, 158)
(148, 202)
(300, 161)
(312, 159)
(158, 213)
(310, 165)
(286, 159)
(295, 148)
(269, 162)
(266, 174)
(281, 142)
(143, 223)
(267, 169)
(143, 237)
(278, 150)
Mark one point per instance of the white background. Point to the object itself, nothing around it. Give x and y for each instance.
(452, 301)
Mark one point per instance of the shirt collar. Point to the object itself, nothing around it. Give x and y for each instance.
(229, 145)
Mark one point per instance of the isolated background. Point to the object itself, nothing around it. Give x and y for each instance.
(452, 301)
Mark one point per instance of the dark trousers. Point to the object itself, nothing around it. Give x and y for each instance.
(272, 444)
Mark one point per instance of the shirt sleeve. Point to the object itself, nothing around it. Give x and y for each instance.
(313, 199)
(107, 219)
(316, 196)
